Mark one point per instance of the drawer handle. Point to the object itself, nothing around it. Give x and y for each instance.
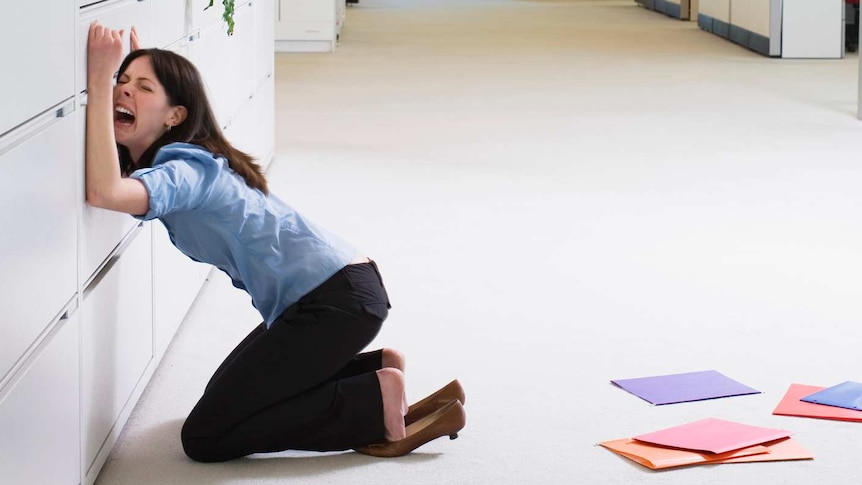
(15, 373)
(34, 126)
(109, 263)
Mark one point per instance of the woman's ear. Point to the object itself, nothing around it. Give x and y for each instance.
(178, 115)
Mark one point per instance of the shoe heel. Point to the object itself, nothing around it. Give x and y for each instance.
(446, 421)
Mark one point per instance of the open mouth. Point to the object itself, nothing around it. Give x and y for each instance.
(123, 116)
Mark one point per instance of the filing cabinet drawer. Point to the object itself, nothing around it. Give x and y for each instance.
(313, 10)
(116, 15)
(228, 89)
(252, 130)
(117, 342)
(202, 17)
(39, 418)
(46, 81)
(264, 28)
(169, 23)
(39, 231)
(266, 118)
(176, 282)
(102, 230)
(307, 30)
(243, 130)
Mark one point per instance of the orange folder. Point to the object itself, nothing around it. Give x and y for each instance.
(780, 450)
(659, 457)
(791, 405)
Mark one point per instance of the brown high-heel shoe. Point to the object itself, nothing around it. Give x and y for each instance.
(420, 409)
(447, 420)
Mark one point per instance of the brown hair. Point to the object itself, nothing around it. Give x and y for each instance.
(184, 87)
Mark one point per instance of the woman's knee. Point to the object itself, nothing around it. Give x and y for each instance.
(198, 447)
(391, 380)
(393, 358)
(204, 450)
(197, 450)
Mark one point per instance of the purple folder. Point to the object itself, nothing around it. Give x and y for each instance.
(691, 386)
(845, 395)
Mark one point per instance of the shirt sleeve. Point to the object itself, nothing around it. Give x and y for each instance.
(174, 186)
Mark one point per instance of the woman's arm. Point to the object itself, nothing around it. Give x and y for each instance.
(106, 188)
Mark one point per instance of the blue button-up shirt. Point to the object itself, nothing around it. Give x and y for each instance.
(213, 216)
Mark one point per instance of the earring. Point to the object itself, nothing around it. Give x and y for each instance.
(168, 128)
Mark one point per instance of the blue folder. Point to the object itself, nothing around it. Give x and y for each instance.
(845, 395)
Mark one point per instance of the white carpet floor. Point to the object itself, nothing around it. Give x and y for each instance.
(559, 193)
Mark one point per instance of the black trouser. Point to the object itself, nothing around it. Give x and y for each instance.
(301, 384)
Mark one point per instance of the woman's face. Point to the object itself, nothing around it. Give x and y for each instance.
(142, 112)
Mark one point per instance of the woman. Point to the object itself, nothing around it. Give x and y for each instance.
(298, 381)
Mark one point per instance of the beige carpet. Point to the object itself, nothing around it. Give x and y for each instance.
(559, 193)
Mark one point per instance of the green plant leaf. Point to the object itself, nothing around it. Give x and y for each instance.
(227, 15)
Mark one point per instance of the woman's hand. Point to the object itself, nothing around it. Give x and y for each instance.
(134, 43)
(104, 54)
(106, 188)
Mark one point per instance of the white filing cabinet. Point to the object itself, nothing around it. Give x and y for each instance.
(778, 28)
(92, 298)
(39, 235)
(308, 25)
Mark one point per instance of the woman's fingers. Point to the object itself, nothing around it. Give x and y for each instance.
(134, 43)
(100, 35)
(104, 51)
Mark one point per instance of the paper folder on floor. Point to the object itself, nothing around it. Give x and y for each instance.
(791, 405)
(846, 395)
(659, 457)
(708, 441)
(686, 387)
(781, 450)
(713, 436)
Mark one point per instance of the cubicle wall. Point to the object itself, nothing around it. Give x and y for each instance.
(680, 9)
(751, 25)
(778, 28)
(714, 16)
(813, 29)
